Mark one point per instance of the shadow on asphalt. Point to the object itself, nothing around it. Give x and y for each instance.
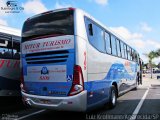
(125, 106)
(10, 104)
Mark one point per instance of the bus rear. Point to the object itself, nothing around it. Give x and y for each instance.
(50, 77)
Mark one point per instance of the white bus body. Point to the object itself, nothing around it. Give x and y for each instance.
(89, 73)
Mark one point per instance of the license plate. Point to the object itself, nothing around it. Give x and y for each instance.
(45, 101)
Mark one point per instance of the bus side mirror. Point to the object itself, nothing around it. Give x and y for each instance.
(90, 29)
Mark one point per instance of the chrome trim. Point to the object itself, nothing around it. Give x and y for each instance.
(71, 103)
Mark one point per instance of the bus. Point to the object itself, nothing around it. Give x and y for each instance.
(9, 61)
(72, 62)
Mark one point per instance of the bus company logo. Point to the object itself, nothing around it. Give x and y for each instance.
(12, 7)
(11, 3)
(44, 71)
(44, 74)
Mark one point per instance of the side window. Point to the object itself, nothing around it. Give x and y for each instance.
(95, 35)
(108, 42)
(122, 49)
(118, 48)
(5, 47)
(113, 42)
(125, 51)
(132, 54)
(129, 53)
(16, 50)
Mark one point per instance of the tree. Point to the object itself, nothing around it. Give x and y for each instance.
(158, 53)
(151, 55)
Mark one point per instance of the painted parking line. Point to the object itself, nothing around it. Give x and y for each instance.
(134, 115)
(40, 111)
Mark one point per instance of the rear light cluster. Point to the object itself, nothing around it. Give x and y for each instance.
(22, 81)
(70, 8)
(78, 81)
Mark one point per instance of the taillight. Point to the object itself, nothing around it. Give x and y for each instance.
(78, 81)
(70, 8)
(22, 81)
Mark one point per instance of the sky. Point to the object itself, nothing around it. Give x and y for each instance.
(137, 21)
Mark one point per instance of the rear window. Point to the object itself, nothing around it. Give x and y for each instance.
(54, 23)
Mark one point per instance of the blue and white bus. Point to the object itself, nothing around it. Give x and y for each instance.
(72, 62)
(9, 62)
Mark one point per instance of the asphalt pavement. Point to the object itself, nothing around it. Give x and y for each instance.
(140, 104)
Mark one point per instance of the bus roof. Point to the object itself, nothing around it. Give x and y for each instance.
(9, 30)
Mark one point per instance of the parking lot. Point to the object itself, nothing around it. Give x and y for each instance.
(142, 103)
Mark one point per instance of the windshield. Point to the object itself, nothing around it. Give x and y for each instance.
(51, 24)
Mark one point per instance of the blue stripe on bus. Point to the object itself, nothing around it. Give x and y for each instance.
(118, 71)
(100, 88)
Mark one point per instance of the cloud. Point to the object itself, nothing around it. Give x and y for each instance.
(152, 44)
(137, 41)
(145, 27)
(62, 5)
(3, 22)
(156, 60)
(146, 45)
(34, 7)
(125, 33)
(149, 45)
(102, 2)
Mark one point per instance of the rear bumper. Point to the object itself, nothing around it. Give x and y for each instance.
(71, 103)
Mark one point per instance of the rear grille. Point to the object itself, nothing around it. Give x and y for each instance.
(47, 57)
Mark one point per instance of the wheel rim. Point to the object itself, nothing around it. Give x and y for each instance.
(113, 97)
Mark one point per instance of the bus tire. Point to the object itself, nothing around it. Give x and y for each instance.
(135, 88)
(113, 97)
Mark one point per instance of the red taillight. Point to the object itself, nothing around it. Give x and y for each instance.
(70, 8)
(78, 81)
